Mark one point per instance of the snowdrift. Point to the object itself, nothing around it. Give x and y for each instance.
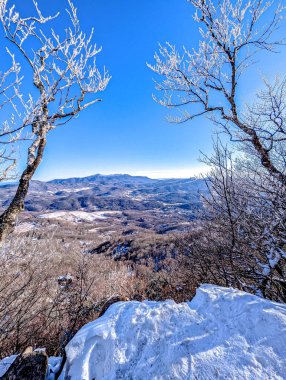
(221, 334)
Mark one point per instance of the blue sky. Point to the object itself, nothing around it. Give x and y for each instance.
(128, 131)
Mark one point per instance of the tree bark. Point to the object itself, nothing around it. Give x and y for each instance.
(9, 216)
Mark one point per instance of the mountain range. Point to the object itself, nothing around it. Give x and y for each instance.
(110, 192)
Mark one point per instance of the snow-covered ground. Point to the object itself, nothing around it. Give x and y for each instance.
(221, 334)
(78, 216)
(6, 363)
(25, 227)
(70, 190)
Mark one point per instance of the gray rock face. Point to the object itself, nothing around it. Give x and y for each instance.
(31, 365)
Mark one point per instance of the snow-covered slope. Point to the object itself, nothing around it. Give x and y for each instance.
(221, 334)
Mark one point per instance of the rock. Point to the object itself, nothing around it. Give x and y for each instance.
(110, 302)
(31, 365)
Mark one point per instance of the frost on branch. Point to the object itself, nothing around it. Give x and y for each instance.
(231, 33)
(63, 65)
(244, 228)
(204, 81)
(62, 68)
(10, 132)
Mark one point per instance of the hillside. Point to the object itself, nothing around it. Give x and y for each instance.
(110, 204)
(110, 192)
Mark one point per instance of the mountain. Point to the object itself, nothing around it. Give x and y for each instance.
(109, 192)
(103, 179)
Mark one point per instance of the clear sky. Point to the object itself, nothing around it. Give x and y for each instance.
(128, 132)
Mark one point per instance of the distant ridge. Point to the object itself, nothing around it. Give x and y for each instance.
(114, 192)
(97, 177)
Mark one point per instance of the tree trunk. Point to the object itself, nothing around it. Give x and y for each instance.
(9, 216)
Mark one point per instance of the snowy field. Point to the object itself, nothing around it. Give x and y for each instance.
(221, 334)
(25, 227)
(70, 190)
(78, 216)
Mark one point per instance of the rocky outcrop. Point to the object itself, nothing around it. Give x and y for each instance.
(31, 365)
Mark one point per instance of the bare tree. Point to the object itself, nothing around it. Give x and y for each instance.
(63, 70)
(10, 134)
(48, 290)
(205, 81)
(245, 214)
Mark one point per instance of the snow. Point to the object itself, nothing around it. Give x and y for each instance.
(77, 190)
(54, 364)
(66, 277)
(78, 216)
(25, 227)
(70, 190)
(221, 334)
(6, 363)
(53, 367)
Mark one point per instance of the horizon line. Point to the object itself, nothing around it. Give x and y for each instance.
(152, 174)
(106, 175)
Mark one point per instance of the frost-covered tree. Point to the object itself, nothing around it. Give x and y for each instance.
(242, 238)
(9, 131)
(205, 81)
(63, 70)
(246, 209)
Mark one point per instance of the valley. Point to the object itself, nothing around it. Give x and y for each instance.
(101, 207)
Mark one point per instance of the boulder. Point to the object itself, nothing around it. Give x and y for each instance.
(31, 365)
